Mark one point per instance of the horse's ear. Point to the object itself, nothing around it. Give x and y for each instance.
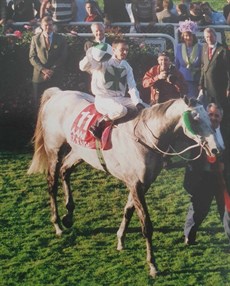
(186, 99)
(190, 101)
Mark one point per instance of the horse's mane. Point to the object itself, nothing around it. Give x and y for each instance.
(157, 110)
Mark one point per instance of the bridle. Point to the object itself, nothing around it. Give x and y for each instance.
(200, 144)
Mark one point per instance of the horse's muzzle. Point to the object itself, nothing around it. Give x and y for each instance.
(214, 151)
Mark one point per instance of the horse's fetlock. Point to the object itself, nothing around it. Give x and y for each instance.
(70, 206)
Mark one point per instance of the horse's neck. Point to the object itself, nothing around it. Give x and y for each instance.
(160, 123)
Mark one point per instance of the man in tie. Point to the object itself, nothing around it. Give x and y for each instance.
(48, 52)
(215, 86)
(98, 30)
(215, 76)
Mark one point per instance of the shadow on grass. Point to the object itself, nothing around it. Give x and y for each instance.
(89, 232)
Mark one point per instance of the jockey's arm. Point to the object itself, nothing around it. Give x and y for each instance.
(133, 91)
(88, 64)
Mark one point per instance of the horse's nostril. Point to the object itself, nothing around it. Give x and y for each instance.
(214, 151)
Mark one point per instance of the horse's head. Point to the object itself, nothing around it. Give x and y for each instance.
(197, 126)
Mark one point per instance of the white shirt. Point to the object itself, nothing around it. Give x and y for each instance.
(110, 78)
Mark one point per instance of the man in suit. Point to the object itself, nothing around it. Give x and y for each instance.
(215, 86)
(204, 182)
(215, 73)
(48, 52)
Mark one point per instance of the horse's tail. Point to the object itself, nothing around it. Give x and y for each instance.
(39, 162)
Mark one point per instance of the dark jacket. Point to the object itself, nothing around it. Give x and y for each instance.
(215, 74)
(53, 58)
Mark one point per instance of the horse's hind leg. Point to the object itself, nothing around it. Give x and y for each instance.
(128, 213)
(69, 162)
(52, 178)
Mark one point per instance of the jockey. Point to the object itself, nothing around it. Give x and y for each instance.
(110, 80)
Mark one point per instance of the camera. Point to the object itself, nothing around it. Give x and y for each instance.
(170, 76)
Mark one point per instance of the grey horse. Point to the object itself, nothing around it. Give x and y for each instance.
(135, 156)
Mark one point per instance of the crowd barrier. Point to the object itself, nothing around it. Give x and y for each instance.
(164, 36)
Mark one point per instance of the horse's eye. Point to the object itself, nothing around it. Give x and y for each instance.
(195, 115)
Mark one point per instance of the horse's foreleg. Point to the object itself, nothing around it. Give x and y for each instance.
(138, 196)
(128, 213)
(65, 173)
(52, 179)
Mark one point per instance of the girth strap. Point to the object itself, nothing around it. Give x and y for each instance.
(100, 155)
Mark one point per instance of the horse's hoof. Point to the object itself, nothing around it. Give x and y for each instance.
(67, 221)
(58, 230)
(120, 245)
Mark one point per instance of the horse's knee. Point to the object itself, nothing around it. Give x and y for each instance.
(147, 230)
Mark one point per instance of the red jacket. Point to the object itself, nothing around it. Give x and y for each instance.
(161, 89)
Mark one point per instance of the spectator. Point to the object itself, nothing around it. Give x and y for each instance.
(172, 8)
(144, 11)
(2, 12)
(211, 17)
(226, 12)
(204, 181)
(110, 79)
(48, 52)
(166, 16)
(164, 80)
(115, 11)
(215, 76)
(23, 11)
(187, 3)
(63, 12)
(81, 12)
(128, 5)
(92, 14)
(98, 30)
(215, 86)
(182, 12)
(195, 13)
(188, 56)
(159, 5)
(46, 8)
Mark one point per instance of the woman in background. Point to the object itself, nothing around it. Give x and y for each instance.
(92, 14)
(188, 56)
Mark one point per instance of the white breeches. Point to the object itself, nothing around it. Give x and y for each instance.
(113, 107)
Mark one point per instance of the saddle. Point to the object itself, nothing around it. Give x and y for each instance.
(80, 134)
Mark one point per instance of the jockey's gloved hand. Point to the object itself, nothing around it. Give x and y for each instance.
(140, 106)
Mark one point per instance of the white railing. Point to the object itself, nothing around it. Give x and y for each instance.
(159, 38)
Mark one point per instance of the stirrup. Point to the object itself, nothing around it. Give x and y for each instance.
(96, 131)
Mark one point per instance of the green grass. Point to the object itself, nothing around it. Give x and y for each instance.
(30, 254)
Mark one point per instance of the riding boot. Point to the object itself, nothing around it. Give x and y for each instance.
(97, 129)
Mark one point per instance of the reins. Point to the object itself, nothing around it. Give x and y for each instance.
(165, 152)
